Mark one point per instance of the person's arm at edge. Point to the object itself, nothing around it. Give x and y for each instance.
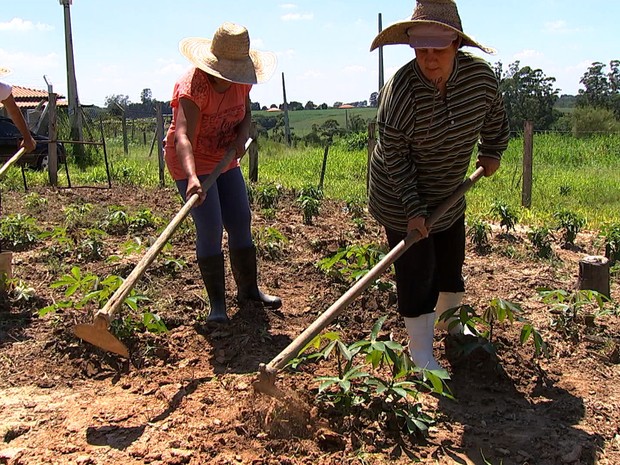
(16, 116)
(188, 115)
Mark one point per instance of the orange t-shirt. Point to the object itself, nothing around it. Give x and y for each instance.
(216, 131)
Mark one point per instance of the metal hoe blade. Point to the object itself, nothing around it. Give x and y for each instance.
(98, 335)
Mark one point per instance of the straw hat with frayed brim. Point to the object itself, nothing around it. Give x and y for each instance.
(440, 12)
(4, 71)
(228, 56)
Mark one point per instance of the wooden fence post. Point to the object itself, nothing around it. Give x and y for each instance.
(159, 135)
(52, 153)
(372, 142)
(323, 167)
(253, 161)
(528, 155)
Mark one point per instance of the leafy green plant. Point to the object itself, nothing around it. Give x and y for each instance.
(61, 243)
(142, 220)
(569, 223)
(116, 221)
(479, 231)
(507, 215)
(76, 215)
(309, 199)
(91, 248)
(377, 373)
(127, 327)
(352, 262)
(35, 202)
(21, 231)
(81, 289)
(484, 327)
(270, 242)
(540, 237)
(570, 308)
(267, 195)
(611, 235)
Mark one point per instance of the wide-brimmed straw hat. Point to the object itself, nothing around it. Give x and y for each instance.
(228, 55)
(4, 71)
(440, 12)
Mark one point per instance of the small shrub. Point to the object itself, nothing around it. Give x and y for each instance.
(611, 235)
(270, 243)
(507, 215)
(351, 263)
(34, 202)
(309, 199)
(569, 223)
(540, 238)
(21, 231)
(479, 231)
(77, 215)
(268, 195)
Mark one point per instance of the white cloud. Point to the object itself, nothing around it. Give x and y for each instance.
(354, 69)
(290, 53)
(559, 27)
(311, 74)
(528, 54)
(20, 25)
(288, 6)
(297, 17)
(171, 68)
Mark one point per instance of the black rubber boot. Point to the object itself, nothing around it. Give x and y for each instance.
(243, 264)
(212, 271)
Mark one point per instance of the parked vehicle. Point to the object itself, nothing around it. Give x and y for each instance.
(10, 138)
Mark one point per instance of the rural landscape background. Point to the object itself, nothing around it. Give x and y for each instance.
(537, 385)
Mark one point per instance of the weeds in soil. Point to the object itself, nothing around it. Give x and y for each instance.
(570, 308)
(569, 223)
(375, 377)
(351, 263)
(484, 327)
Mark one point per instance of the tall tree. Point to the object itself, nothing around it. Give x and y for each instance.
(597, 92)
(112, 103)
(529, 95)
(146, 96)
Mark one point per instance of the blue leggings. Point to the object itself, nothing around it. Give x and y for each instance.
(226, 206)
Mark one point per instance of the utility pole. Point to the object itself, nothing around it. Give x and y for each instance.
(287, 127)
(75, 114)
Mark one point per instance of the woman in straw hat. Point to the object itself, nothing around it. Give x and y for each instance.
(8, 101)
(211, 114)
(432, 114)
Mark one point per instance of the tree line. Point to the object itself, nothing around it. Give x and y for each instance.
(529, 95)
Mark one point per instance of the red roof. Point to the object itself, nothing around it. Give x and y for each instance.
(30, 98)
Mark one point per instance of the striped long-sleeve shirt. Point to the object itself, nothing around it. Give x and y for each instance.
(426, 141)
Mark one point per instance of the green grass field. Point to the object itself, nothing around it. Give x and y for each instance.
(301, 121)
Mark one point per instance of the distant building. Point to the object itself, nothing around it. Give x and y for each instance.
(31, 102)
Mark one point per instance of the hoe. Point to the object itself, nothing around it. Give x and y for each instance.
(98, 333)
(267, 373)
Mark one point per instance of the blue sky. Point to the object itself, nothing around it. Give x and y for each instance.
(122, 47)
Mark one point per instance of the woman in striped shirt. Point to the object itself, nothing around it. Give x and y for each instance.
(432, 114)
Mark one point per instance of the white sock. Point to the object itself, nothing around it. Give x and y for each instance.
(421, 331)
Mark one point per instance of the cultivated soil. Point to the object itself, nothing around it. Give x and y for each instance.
(186, 396)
